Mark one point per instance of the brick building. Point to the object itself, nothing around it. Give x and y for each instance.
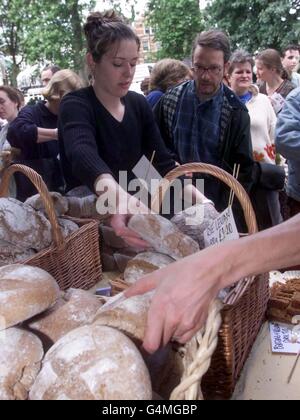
(149, 47)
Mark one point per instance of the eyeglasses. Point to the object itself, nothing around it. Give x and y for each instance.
(213, 70)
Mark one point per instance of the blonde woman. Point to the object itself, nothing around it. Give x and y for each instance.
(263, 122)
(34, 132)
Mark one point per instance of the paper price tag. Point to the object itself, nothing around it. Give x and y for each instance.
(282, 338)
(221, 229)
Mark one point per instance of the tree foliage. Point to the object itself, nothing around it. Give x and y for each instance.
(257, 24)
(43, 31)
(176, 23)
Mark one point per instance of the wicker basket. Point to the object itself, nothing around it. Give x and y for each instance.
(73, 261)
(245, 307)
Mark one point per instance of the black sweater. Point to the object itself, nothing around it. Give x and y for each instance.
(92, 142)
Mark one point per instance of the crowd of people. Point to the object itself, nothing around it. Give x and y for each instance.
(210, 112)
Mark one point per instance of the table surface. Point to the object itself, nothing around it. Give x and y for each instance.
(265, 374)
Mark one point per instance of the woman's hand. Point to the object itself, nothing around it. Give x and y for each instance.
(119, 224)
(121, 206)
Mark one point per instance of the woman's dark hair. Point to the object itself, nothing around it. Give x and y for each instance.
(13, 94)
(215, 39)
(104, 30)
(240, 57)
(271, 59)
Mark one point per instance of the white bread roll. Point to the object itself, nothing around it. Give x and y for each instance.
(163, 235)
(23, 226)
(76, 308)
(24, 292)
(21, 354)
(93, 363)
(129, 316)
(60, 203)
(145, 263)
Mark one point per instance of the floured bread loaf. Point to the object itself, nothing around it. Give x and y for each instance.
(93, 363)
(75, 309)
(83, 207)
(129, 316)
(145, 263)
(163, 235)
(21, 354)
(68, 226)
(25, 292)
(60, 203)
(11, 254)
(195, 220)
(23, 226)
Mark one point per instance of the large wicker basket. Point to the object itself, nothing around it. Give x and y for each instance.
(73, 261)
(245, 307)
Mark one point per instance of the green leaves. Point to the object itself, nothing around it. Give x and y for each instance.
(176, 24)
(257, 24)
(38, 31)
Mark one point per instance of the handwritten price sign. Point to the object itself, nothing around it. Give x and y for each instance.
(221, 229)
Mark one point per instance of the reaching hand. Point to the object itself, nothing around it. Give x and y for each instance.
(184, 291)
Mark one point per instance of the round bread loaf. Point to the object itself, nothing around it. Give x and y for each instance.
(68, 226)
(195, 220)
(23, 226)
(60, 203)
(145, 263)
(11, 254)
(163, 235)
(25, 291)
(128, 316)
(76, 308)
(93, 363)
(21, 354)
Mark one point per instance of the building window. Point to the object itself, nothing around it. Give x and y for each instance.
(145, 46)
(148, 31)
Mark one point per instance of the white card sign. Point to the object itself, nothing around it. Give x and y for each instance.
(222, 229)
(283, 338)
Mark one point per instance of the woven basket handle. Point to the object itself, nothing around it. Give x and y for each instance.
(39, 184)
(217, 173)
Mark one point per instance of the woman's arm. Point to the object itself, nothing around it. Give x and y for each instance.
(46, 134)
(185, 289)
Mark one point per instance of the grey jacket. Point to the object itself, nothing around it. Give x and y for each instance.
(288, 141)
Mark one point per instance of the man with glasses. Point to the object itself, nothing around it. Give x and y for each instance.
(204, 121)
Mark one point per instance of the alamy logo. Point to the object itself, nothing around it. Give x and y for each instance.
(2, 329)
(141, 191)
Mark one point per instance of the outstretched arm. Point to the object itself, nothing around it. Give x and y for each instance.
(185, 289)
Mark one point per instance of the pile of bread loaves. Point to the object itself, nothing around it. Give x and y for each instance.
(68, 346)
(56, 346)
(26, 230)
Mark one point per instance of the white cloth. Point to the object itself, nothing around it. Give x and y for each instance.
(263, 123)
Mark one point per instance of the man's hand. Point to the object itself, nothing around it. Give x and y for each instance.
(179, 308)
